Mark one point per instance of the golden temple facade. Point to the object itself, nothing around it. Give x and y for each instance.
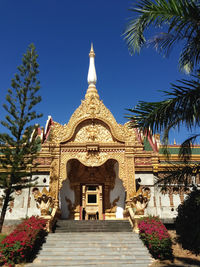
(90, 167)
(90, 151)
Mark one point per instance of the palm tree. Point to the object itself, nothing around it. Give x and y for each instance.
(181, 106)
(181, 19)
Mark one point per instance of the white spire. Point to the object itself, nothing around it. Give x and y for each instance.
(92, 77)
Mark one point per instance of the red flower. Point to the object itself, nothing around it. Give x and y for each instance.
(21, 240)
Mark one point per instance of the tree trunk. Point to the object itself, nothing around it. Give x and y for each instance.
(4, 208)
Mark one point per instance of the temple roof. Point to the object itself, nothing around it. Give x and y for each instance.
(92, 108)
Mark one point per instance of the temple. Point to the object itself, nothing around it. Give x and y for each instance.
(93, 168)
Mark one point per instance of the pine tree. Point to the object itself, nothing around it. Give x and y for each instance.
(19, 145)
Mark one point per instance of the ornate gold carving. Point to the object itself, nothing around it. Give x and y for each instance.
(93, 137)
(113, 207)
(93, 105)
(92, 162)
(92, 132)
(43, 161)
(155, 168)
(91, 109)
(140, 200)
(86, 158)
(130, 176)
(129, 133)
(93, 123)
(143, 161)
(89, 131)
(54, 177)
(56, 132)
(92, 147)
(79, 173)
(45, 201)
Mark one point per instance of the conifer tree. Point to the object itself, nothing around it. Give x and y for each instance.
(19, 145)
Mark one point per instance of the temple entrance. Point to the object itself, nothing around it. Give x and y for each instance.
(92, 193)
(92, 202)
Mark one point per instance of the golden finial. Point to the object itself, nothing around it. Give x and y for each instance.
(92, 54)
(174, 141)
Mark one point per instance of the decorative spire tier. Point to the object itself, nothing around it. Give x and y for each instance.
(92, 77)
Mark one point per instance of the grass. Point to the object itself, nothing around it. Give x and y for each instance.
(2, 236)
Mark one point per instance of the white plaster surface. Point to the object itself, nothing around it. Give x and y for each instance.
(65, 191)
(118, 191)
(176, 200)
(24, 203)
(146, 178)
(159, 204)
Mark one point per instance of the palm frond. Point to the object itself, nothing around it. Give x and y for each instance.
(163, 42)
(182, 106)
(178, 175)
(180, 18)
(190, 55)
(186, 147)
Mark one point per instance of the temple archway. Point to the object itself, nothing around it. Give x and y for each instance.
(92, 192)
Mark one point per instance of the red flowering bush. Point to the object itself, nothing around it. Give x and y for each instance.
(156, 237)
(20, 244)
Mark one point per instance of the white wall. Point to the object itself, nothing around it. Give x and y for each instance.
(118, 191)
(65, 191)
(24, 203)
(159, 204)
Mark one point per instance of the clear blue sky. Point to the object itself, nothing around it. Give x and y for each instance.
(62, 32)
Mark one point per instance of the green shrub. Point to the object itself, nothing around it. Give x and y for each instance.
(188, 222)
(156, 237)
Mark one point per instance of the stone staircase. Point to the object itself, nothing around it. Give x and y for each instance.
(96, 243)
(63, 226)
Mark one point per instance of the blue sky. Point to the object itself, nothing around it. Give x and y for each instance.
(62, 32)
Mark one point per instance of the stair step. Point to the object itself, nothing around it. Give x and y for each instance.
(89, 261)
(85, 244)
(111, 245)
(96, 247)
(63, 226)
(83, 255)
(90, 249)
(93, 257)
(124, 263)
(97, 235)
